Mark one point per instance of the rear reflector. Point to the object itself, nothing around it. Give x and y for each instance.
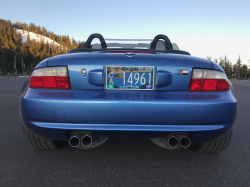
(52, 77)
(149, 52)
(208, 80)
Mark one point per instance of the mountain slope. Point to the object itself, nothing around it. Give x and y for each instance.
(36, 37)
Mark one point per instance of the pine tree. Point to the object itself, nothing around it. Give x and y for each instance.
(23, 66)
(81, 45)
(230, 70)
(39, 30)
(244, 71)
(14, 65)
(238, 67)
(36, 31)
(28, 38)
(249, 71)
(16, 56)
(209, 57)
(222, 63)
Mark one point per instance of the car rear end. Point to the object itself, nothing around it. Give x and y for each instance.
(185, 96)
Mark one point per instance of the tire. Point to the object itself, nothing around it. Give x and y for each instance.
(41, 143)
(213, 146)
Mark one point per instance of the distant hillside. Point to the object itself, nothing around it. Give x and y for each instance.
(23, 46)
(36, 37)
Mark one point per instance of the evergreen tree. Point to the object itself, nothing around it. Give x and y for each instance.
(28, 38)
(244, 71)
(238, 67)
(39, 29)
(81, 45)
(209, 57)
(222, 63)
(249, 71)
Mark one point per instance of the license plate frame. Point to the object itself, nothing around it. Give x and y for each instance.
(118, 69)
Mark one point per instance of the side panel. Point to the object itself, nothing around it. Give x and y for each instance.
(93, 80)
(178, 82)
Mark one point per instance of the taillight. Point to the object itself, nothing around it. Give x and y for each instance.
(51, 77)
(208, 80)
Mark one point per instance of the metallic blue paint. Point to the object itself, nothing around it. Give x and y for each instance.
(171, 110)
(59, 131)
(96, 77)
(59, 115)
(163, 78)
(78, 81)
(89, 106)
(95, 60)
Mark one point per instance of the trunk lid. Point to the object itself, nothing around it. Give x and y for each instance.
(172, 72)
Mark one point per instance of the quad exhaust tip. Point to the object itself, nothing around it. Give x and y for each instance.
(74, 141)
(185, 141)
(171, 141)
(86, 140)
(177, 141)
(80, 139)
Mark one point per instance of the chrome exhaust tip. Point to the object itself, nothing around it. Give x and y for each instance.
(185, 141)
(171, 141)
(86, 140)
(74, 141)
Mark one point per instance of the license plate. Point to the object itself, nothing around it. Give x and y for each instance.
(130, 77)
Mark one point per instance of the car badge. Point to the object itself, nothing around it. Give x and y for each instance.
(130, 54)
(83, 71)
(182, 72)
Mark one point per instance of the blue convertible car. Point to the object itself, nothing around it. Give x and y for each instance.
(128, 88)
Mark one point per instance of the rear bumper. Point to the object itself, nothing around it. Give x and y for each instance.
(60, 131)
(53, 114)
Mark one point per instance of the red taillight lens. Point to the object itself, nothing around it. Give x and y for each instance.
(62, 82)
(36, 82)
(149, 52)
(208, 85)
(222, 85)
(196, 85)
(52, 77)
(208, 80)
(49, 82)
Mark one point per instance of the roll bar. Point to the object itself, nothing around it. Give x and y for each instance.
(168, 45)
(165, 38)
(91, 37)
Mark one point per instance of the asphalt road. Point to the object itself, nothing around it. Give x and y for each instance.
(119, 162)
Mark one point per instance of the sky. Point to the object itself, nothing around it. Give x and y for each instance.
(203, 28)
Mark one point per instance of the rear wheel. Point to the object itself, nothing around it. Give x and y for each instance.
(213, 146)
(41, 143)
